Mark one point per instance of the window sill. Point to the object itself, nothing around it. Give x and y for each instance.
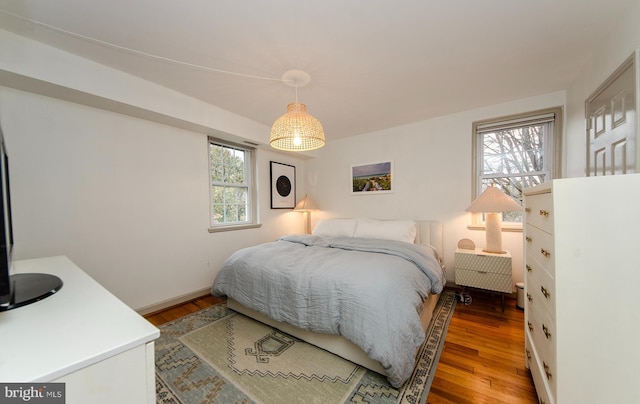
(234, 227)
(505, 228)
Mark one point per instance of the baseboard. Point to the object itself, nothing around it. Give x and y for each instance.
(173, 301)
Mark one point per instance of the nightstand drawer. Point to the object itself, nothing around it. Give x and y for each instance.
(484, 280)
(484, 263)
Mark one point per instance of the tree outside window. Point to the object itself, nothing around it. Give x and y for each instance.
(231, 185)
(515, 153)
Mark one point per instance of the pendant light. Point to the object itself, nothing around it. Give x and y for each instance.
(296, 130)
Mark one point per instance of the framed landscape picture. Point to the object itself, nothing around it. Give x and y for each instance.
(372, 178)
(283, 186)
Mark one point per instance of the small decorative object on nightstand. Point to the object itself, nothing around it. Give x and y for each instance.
(466, 244)
(479, 269)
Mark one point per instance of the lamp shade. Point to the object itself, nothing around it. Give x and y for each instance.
(305, 205)
(296, 130)
(493, 200)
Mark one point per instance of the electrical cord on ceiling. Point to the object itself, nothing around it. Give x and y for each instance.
(135, 51)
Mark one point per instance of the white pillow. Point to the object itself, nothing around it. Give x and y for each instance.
(400, 230)
(335, 227)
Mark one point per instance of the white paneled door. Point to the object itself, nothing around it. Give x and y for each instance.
(612, 124)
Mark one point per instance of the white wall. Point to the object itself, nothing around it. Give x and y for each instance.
(432, 167)
(124, 198)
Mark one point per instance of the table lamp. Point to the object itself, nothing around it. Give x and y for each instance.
(492, 203)
(306, 206)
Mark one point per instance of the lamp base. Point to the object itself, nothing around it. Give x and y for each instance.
(493, 233)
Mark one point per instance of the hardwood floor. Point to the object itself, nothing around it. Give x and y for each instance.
(181, 310)
(483, 356)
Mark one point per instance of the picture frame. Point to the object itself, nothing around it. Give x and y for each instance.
(372, 178)
(283, 185)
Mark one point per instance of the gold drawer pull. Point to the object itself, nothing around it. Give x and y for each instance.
(545, 252)
(527, 210)
(528, 268)
(546, 331)
(544, 213)
(530, 326)
(545, 292)
(528, 239)
(546, 370)
(529, 297)
(482, 272)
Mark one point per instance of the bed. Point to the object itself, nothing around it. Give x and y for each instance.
(362, 289)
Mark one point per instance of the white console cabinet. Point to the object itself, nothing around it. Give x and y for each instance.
(82, 336)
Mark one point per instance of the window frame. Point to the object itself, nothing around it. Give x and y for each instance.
(553, 147)
(249, 183)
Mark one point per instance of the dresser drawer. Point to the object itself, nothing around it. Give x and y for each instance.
(494, 264)
(539, 211)
(542, 332)
(539, 246)
(484, 280)
(539, 379)
(540, 287)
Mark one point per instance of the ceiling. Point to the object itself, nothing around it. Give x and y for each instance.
(374, 64)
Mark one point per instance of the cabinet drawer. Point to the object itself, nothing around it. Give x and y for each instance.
(484, 280)
(539, 246)
(542, 333)
(540, 287)
(539, 211)
(539, 378)
(484, 263)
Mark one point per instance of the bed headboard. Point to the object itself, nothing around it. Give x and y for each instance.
(427, 231)
(430, 232)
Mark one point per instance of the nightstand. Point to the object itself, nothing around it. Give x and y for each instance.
(483, 270)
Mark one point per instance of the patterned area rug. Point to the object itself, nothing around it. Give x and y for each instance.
(218, 355)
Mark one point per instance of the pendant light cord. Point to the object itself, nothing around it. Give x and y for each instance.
(138, 52)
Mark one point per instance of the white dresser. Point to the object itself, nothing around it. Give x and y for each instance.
(82, 336)
(582, 272)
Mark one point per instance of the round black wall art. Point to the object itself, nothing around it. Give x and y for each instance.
(283, 185)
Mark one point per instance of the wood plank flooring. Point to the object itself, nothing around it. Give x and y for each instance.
(181, 310)
(483, 356)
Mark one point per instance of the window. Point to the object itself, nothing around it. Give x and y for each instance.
(514, 153)
(232, 193)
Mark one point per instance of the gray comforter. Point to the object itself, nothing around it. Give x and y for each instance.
(369, 291)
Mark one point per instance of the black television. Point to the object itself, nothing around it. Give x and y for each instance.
(17, 290)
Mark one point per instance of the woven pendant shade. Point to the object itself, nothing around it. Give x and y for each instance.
(296, 130)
